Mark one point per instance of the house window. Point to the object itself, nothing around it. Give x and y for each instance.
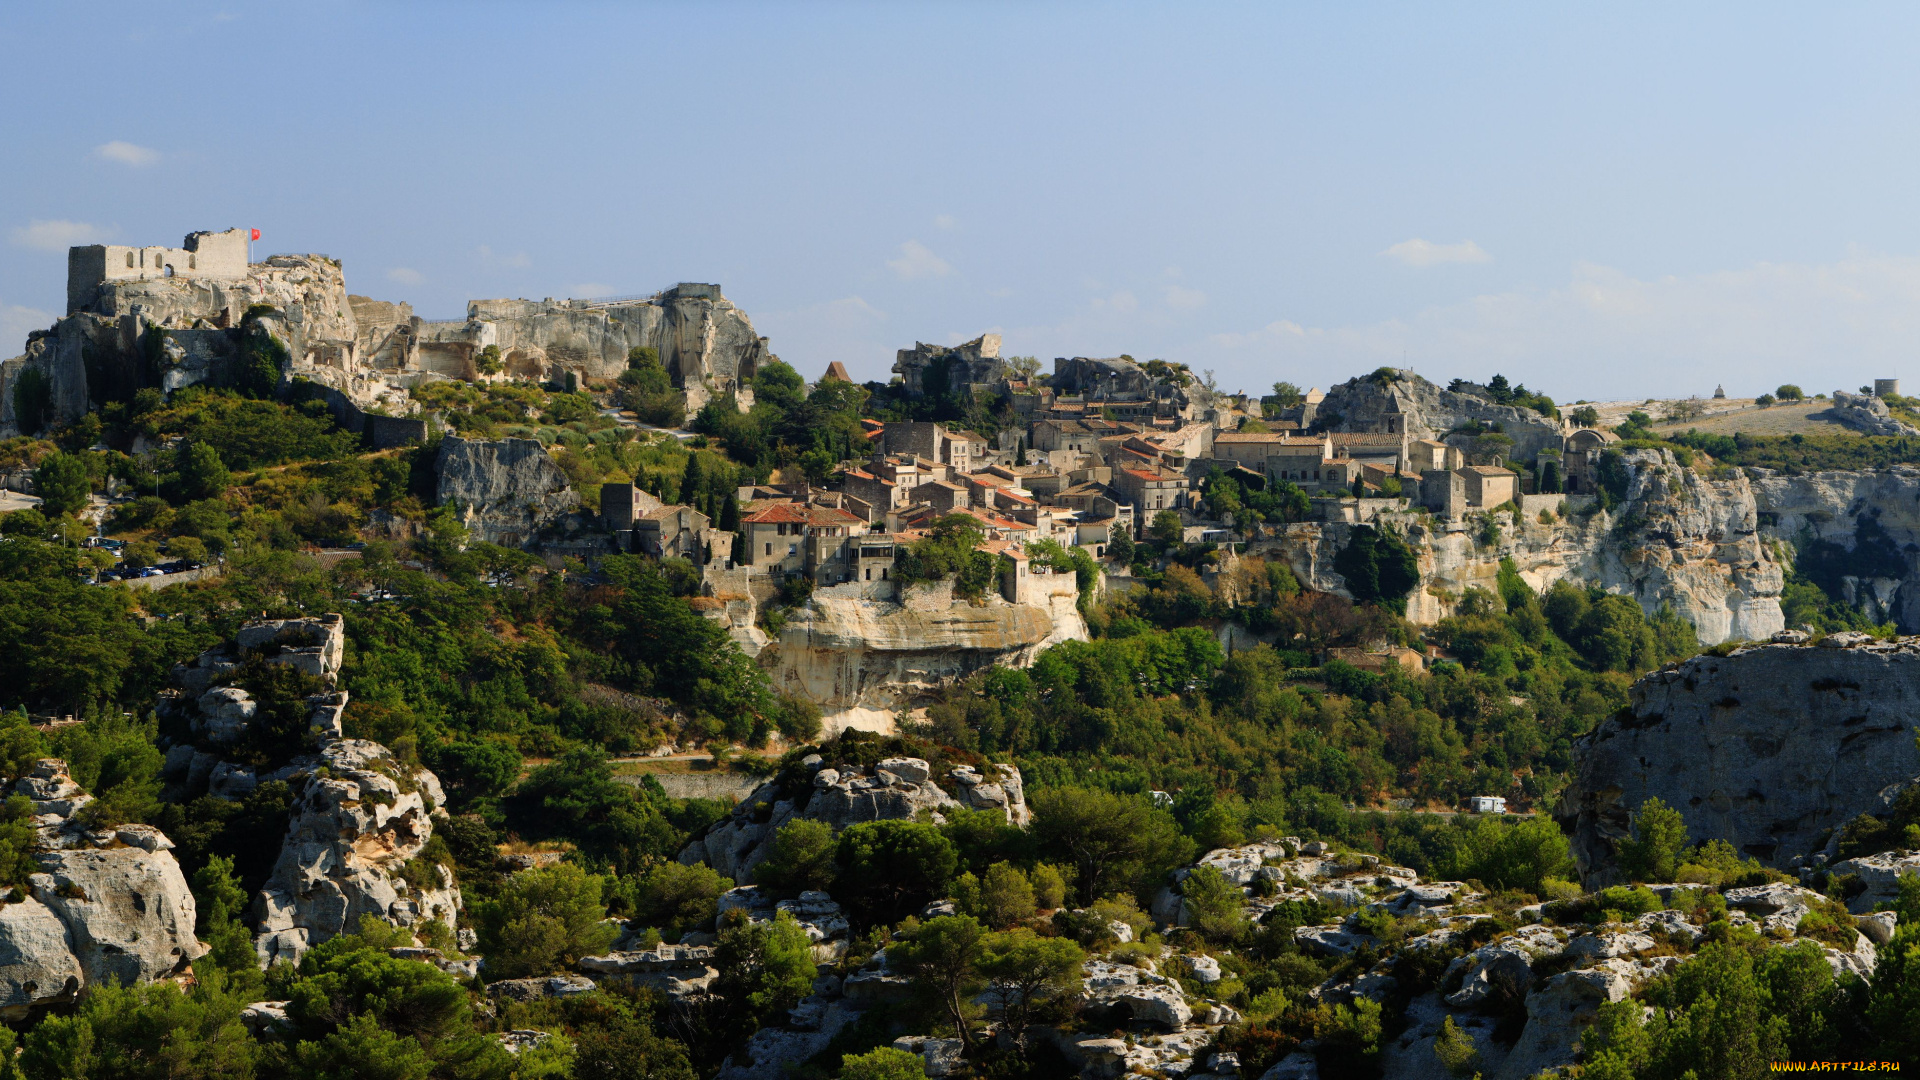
(769, 550)
(869, 573)
(129, 260)
(793, 549)
(883, 573)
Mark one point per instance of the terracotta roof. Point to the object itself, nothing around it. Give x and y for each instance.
(1276, 437)
(778, 514)
(837, 370)
(1364, 438)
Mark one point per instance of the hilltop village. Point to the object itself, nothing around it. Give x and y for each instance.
(578, 689)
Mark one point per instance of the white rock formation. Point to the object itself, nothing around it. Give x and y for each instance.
(105, 906)
(507, 489)
(358, 820)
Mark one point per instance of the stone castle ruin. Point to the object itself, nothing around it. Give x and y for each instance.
(171, 317)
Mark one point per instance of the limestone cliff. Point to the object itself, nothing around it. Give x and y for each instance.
(1855, 533)
(1769, 748)
(1679, 538)
(847, 654)
(507, 489)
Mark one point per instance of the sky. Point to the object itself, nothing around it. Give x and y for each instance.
(1601, 201)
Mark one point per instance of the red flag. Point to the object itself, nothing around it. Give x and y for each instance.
(255, 236)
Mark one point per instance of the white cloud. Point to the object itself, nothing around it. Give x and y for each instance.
(16, 322)
(58, 235)
(1606, 334)
(916, 262)
(1423, 253)
(518, 260)
(405, 275)
(126, 153)
(945, 221)
(1122, 302)
(1185, 299)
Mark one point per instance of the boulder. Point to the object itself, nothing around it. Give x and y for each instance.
(54, 794)
(938, 1057)
(549, 986)
(360, 817)
(128, 912)
(1504, 965)
(1880, 874)
(266, 1018)
(37, 964)
(520, 1040)
(1778, 905)
(1879, 926)
(1333, 940)
(1205, 968)
(678, 971)
(225, 713)
(1003, 791)
(315, 645)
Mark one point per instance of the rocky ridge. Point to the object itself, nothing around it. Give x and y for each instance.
(507, 489)
(360, 819)
(1770, 748)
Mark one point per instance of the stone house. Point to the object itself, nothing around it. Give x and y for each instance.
(669, 532)
(1489, 486)
(1151, 490)
(1581, 458)
(798, 538)
(934, 442)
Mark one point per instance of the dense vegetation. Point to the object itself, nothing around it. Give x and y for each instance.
(518, 681)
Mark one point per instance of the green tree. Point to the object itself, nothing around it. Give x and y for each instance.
(1216, 905)
(619, 1044)
(776, 384)
(1006, 896)
(799, 858)
(1659, 837)
(487, 361)
(1114, 842)
(677, 898)
(1023, 969)
(63, 484)
(152, 1032)
(884, 1063)
(202, 474)
(887, 868)
(1789, 392)
(943, 958)
(1585, 416)
(1379, 567)
(1166, 527)
(219, 902)
(543, 920)
(765, 967)
(1455, 1049)
(1521, 855)
(361, 1049)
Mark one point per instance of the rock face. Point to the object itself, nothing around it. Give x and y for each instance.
(1866, 414)
(359, 818)
(508, 489)
(706, 344)
(848, 654)
(895, 789)
(1857, 532)
(1769, 748)
(1679, 538)
(105, 906)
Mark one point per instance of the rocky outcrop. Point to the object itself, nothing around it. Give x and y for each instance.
(507, 490)
(706, 343)
(1867, 414)
(360, 818)
(847, 654)
(1770, 748)
(895, 789)
(1408, 403)
(677, 971)
(106, 905)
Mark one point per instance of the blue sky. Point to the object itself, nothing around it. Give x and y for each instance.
(1605, 202)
